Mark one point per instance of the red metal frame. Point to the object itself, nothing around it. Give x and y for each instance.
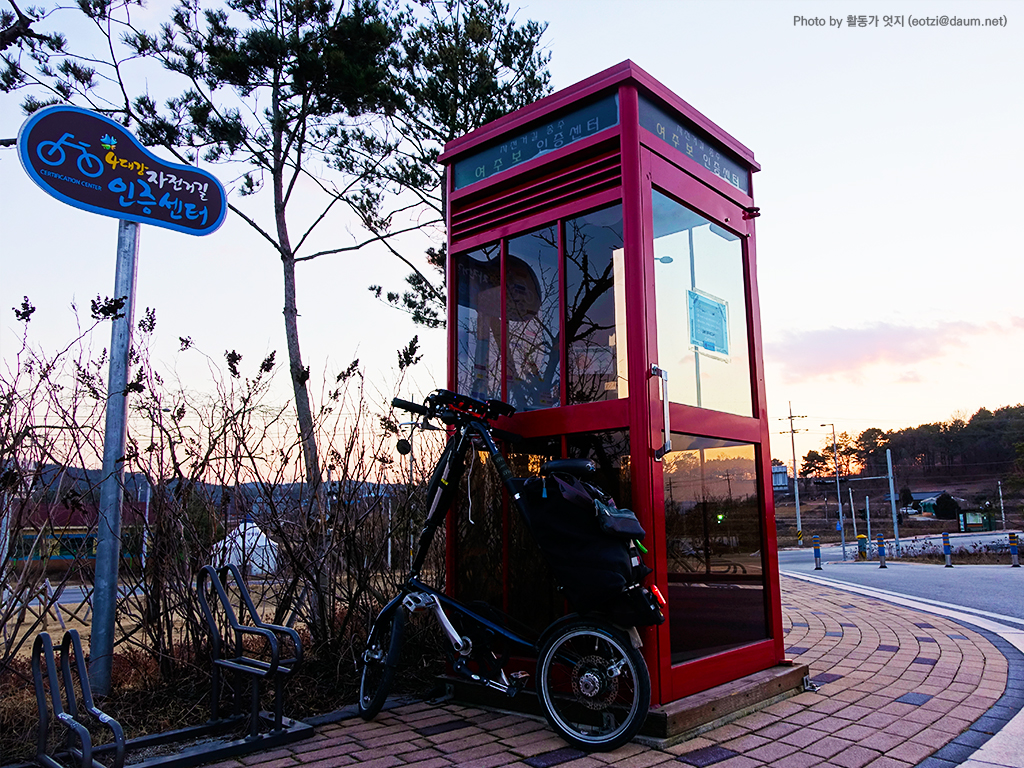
(646, 161)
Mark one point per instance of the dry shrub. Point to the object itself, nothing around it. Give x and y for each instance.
(196, 464)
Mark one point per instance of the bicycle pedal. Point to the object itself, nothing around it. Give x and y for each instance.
(417, 603)
(517, 682)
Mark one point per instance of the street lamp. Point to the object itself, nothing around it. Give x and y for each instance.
(839, 495)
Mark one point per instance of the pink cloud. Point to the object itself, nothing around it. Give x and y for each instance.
(832, 351)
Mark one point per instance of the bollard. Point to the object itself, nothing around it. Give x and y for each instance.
(862, 547)
(881, 551)
(1013, 551)
(946, 550)
(817, 553)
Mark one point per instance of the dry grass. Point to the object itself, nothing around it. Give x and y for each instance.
(961, 557)
(977, 554)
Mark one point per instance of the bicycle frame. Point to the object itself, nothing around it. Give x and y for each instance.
(591, 679)
(416, 596)
(444, 483)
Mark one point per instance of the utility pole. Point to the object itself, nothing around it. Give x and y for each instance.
(839, 494)
(796, 473)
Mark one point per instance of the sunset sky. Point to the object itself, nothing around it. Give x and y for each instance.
(889, 269)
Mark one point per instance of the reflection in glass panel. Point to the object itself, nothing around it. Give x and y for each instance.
(531, 281)
(479, 532)
(701, 310)
(713, 547)
(610, 451)
(595, 307)
(478, 280)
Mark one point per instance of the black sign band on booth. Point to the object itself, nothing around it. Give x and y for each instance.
(693, 143)
(539, 140)
(91, 162)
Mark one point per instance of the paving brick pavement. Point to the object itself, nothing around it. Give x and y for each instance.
(896, 689)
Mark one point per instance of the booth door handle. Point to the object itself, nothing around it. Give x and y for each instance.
(662, 374)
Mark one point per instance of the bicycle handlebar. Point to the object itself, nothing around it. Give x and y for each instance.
(452, 407)
(411, 407)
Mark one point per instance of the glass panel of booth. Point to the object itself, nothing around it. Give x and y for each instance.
(533, 598)
(701, 309)
(532, 306)
(478, 282)
(592, 314)
(713, 547)
(595, 315)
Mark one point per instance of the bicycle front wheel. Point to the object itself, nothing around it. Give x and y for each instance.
(594, 686)
(380, 659)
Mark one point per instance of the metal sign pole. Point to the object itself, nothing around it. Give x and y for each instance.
(108, 541)
(853, 511)
(892, 500)
(867, 516)
(1002, 509)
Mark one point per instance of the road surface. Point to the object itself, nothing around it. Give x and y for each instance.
(992, 591)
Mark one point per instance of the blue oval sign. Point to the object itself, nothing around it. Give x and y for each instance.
(87, 160)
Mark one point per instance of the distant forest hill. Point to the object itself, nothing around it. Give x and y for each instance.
(988, 445)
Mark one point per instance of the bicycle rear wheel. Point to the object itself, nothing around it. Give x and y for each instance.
(90, 165)
(594, 685)
(380, 660)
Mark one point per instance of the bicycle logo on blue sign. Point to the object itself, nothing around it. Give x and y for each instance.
(91, 162)
(52, 153)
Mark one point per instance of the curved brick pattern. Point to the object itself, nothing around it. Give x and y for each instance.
(897, 688)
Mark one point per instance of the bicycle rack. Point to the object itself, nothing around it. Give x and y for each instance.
(62, 690)
(215, 740)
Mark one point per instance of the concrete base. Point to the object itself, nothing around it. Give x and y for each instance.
(671, 723)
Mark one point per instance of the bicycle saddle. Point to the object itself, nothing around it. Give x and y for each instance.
(575, 467)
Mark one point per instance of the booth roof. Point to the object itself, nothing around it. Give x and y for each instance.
(601, 82)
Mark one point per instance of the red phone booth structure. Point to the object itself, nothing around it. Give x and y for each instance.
(603, 281)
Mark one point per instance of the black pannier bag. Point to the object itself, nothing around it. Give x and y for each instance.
(589, 545)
